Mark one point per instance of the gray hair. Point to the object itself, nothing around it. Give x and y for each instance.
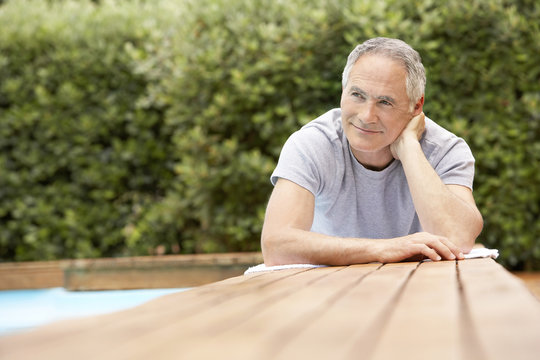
(397, 50)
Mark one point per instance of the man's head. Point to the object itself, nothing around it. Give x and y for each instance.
(398, 51)
(383, 88)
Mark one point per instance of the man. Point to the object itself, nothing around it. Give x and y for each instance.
(374, 180)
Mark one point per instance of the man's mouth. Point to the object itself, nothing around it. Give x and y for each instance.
(366, 131)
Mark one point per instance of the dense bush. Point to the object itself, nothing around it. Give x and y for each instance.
(128, 125)
(79, 156)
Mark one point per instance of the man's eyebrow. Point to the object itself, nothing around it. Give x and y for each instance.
(387, 98)
(358, 90)
(365, 94)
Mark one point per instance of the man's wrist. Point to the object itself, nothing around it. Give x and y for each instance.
(406, 145)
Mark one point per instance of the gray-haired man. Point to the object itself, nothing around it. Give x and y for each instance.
(373, 180)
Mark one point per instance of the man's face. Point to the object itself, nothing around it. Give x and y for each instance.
(375, 108)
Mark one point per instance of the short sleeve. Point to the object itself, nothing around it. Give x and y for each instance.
(449, 155)
(457, 166)
(307, 159)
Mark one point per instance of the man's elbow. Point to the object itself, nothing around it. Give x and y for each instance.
(476, 227)
(467, 236)
(280, 248)
(270, 250)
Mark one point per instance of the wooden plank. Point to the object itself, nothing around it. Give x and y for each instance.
(96, 337)
(31, 275)
(346, 329)
(149, 278)
(531, 280)
(203, 332)
(265, 334)
(475, 310)
(141, 272)
(505, 315)
(425, 321)
(147, 272)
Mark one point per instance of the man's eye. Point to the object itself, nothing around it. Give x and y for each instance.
(358, 95)
(386, 103)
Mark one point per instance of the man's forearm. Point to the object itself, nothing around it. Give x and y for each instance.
(440, 211)
(296, 246)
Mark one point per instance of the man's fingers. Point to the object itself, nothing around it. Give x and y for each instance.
(418, 124)
(456, 251)
(433, 247)
(441, 246)
(430, 253)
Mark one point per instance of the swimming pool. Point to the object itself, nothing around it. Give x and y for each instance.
(22, 310)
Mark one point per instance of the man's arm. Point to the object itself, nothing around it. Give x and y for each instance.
(446, 210)
(287, 239)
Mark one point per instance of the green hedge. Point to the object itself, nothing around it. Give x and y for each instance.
(131, 125)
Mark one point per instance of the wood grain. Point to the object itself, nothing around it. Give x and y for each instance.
(470, 309)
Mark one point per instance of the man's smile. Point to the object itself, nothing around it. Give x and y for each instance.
(365, 130)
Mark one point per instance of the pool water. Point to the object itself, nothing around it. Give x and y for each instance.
(22, 310)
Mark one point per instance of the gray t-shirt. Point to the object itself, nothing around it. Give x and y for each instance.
(352, 201)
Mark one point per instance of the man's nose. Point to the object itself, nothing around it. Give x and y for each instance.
(368, 113)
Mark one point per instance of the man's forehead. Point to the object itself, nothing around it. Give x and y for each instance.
(384, 64)
(378, 73)
(380, 58)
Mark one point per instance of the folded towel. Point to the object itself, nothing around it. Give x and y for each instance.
(475, 253)
(482, 253)
(262, 267)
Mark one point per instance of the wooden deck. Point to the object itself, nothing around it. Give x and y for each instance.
(143, 272)
(470, 309)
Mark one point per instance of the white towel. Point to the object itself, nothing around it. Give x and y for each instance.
(475, 253)
(482, 253)
(262, 267)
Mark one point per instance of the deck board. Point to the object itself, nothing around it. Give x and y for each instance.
(193, 335)
(424, 323)
(267, 332)
(349, 322)
(505, 315)
(471, 309)
(124, 327)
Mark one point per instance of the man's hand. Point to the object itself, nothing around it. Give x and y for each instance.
(413, 131)
(431, 246)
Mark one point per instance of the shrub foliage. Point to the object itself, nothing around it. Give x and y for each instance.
(128, 125)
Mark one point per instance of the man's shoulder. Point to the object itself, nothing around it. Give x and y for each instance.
(321, 135)
(310, 157)
(438, 136)
(438, 142)
(436, 131)
(327, 125)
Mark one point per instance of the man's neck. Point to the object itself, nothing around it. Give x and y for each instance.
(375, 161)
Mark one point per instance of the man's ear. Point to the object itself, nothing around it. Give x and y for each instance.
(419, 106)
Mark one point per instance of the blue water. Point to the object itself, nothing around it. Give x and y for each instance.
(22, 310)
